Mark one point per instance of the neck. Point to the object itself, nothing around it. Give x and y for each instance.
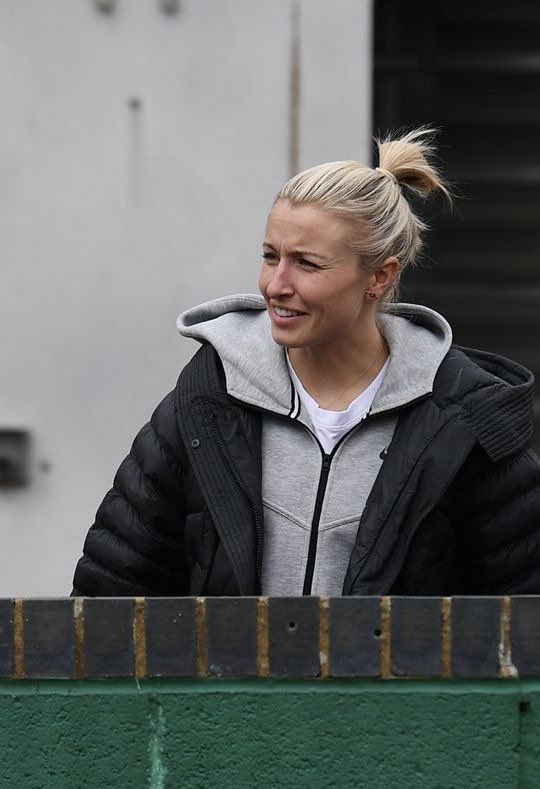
(335, 376)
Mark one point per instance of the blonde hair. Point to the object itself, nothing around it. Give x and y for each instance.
(373, 198)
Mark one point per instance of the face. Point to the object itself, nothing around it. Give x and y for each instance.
(311, 278)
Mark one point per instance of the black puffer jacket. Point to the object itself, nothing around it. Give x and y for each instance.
(454, 510)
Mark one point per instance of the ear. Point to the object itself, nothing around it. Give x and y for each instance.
(385, 276)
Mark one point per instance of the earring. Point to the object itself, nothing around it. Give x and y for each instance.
(370, 294)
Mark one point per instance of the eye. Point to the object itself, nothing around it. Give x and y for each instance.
(307, 263)
(270, 257)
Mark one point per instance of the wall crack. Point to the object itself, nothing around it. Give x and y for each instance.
(156, 745)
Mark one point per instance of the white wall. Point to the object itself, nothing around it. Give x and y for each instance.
(113, 219)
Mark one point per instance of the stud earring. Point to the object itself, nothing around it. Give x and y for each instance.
(370, 294)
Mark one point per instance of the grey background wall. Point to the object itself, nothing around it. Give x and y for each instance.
(139, 153)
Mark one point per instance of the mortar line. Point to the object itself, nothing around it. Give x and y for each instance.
(385, 655)
(507, 670)
(263, 665)
(78, 637)
(139, 637)
(324, 637)
(201, 636)
(18, 638)
(446, 637)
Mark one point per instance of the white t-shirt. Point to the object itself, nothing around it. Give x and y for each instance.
(330, 426)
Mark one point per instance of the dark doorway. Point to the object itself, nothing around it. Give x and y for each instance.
(473, 70)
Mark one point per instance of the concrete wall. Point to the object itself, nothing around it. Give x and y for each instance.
(139, 153)
(233, 733)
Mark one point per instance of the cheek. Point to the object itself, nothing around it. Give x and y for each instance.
(262, 281)
(348, 306)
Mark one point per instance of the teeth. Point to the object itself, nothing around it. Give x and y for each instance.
(285, 313)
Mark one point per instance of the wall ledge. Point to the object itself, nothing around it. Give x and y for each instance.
(277, 637)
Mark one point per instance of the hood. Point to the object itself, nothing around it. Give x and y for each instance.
(419, 339)
(238, 327)
(495, 395)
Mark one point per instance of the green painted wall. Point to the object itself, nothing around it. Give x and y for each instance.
(219, 733)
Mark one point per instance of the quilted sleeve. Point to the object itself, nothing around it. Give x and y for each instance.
(500, 525)
(135, 546)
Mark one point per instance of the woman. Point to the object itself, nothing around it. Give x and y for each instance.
(325, 440)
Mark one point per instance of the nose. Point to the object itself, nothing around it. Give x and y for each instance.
(279, 282)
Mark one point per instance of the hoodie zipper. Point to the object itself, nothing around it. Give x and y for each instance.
(314, 536)
(319, 500)
(321, 488)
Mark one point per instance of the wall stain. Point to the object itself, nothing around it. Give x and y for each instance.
(294, 90)
(527, 747)
(156, 745)
(135, 106)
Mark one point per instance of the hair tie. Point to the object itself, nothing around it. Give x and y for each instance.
(387, 172)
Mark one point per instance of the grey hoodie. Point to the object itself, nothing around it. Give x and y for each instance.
(313, 502)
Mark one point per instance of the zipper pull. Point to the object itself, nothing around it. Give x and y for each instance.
(325, 463)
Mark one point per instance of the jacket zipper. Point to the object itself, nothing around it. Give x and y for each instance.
(314, 536)
(238, 479)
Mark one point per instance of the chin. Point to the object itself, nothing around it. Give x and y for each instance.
(281, 341)
(281, 338)
(289, 344)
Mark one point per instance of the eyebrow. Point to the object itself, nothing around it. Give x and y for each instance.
(298, 252)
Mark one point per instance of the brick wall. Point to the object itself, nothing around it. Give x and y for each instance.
(365, 637)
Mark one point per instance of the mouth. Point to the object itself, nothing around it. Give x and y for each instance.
(282, 312)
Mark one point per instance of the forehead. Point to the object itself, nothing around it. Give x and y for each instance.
(299, 225)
